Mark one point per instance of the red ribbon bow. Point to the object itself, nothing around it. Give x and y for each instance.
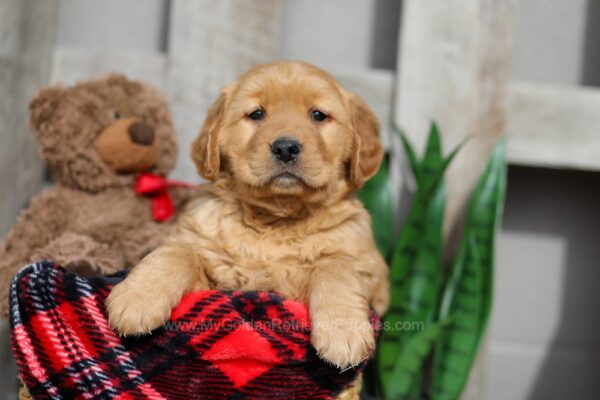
(156, 188)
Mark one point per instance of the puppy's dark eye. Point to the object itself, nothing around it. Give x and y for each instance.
(116, 115)
(318, 115)
(257, 115)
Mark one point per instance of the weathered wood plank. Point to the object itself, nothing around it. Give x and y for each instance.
(25, 46)
(71, 64)
(26, 40)
(113, 24)
(453, 67)
(330, 36)
(211, 43)
(554, 126)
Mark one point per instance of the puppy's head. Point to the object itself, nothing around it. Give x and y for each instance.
(288, 130)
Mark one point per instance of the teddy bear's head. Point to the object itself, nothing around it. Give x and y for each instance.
(101, 132)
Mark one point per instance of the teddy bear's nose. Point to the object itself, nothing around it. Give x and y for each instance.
(141, 133)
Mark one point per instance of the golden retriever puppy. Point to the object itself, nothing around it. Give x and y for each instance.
(286, 148)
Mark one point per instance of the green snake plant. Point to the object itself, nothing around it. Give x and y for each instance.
(437, 314)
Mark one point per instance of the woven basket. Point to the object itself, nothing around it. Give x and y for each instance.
(353, 392)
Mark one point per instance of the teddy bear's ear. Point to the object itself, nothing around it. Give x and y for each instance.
(43, 105)
(117, 79)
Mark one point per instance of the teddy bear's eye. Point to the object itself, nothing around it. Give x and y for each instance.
(116, 115)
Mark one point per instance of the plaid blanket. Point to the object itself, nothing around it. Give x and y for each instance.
(216, 345)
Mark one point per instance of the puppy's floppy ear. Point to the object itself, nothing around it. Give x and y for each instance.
(367, 152)
(205, 149)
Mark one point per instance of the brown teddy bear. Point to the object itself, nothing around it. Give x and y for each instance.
(96, 137)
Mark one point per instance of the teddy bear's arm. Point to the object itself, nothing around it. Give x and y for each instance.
(45, 219)
(81, 254)
(144, 235)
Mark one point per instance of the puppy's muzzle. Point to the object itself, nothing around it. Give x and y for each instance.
(286, 149)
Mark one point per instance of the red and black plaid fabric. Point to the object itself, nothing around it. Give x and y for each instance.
(217, 345)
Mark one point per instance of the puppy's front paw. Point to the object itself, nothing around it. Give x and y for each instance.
(343, 342)
(134, 312)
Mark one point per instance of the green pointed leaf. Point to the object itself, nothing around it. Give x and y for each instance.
(443, 166)
(415, 277)
(416, 262)
(469, 289)
(430, 168)
(457, 347)
(406, 374)
(415, 271)
(410, 155)
(376, 196)
(446, 162)
(484, 216)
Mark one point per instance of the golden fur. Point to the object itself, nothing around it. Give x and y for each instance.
(297, 229)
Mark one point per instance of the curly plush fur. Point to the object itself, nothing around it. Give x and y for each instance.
(91, 221)
(267, 224)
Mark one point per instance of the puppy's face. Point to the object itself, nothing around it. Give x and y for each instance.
(288, 129)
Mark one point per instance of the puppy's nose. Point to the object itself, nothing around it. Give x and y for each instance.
(286, 149)
(141, 133)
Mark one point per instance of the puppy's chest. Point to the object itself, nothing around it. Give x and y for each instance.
(278, 259)
(277, 247)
